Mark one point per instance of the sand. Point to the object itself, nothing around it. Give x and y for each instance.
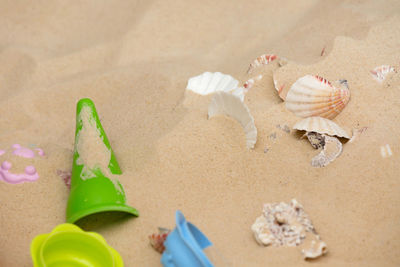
(133, 58)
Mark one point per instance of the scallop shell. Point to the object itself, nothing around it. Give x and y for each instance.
(227, 104)
(322, 126)
(261, 60)
(380, 73)
(332, 149)
(209, 83)
(315, 96)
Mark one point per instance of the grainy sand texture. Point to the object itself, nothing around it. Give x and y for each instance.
(134, 58)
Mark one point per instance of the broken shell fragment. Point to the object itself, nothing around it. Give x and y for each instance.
(261, 233)
(283, 224)
(250, 82)
(209, 83)
(386, 151)
(261, 60)
(157, 240)
(66, 176)
(332, 149)
(224, 103)
(316, 249)
(381, 72)
(315, 96)
(322, 126)
(279, 87)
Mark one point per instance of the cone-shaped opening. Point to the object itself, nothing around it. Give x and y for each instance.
(78, 216)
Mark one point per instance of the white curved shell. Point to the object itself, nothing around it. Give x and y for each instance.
(209, 83)
(322, 126)
(332, 149)
(227, 104)
(315, 96)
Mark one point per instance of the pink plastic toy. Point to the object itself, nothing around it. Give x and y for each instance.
(26, 152)
(30, 174)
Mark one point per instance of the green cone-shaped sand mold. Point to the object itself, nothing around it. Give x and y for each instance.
(93, 189)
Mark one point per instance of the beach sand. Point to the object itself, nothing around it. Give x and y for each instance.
(133, 58)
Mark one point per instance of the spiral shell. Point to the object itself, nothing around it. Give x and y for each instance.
(315, 96)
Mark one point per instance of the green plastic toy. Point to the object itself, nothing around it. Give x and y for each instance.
(91, 190)
(68, 245)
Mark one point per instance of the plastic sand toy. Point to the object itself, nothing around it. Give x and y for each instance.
(68, 245)
(185, 246)
(93, 188)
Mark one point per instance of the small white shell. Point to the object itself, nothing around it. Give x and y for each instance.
(209, 83)
(380, 72)
(227, 104)
(322, 126)
(386, 151)
(315, 96)
(332, 150)
(261, 233)
(316, 249)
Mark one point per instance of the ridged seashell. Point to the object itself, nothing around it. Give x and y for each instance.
(380, 73)
(227, 104)
(332, 149)
(315, 96)
(157, 240)
(209, 83)
(322, 126)
(261, 60)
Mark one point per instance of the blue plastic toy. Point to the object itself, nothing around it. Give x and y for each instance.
(184, 246)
